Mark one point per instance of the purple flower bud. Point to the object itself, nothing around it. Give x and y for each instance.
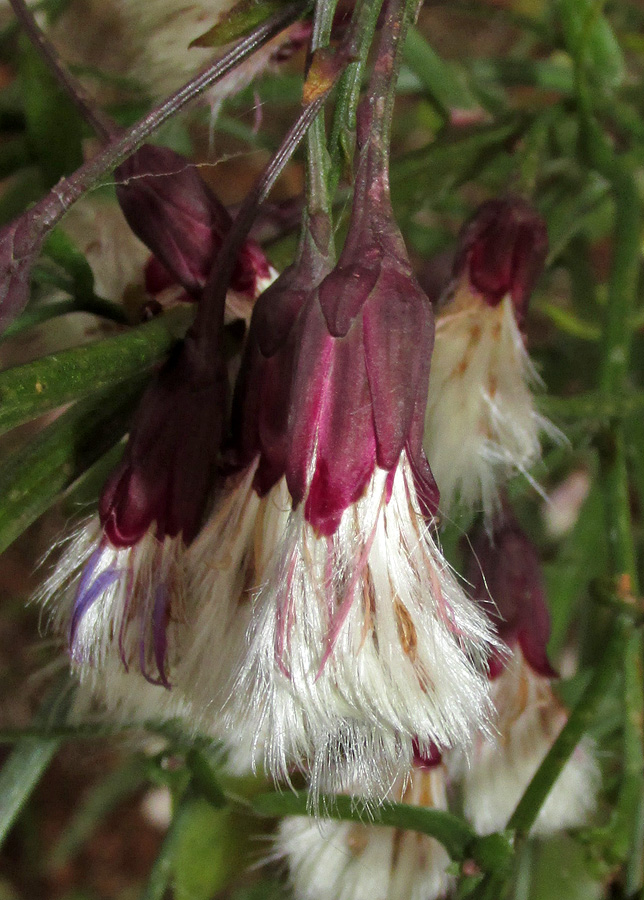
(171, 209)
(502, 250)
(505, 573)
(261, 408)
(364, 340)
(167, 470)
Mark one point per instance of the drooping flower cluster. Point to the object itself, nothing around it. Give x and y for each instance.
(279, 582)
(481, 422)
(127, 610)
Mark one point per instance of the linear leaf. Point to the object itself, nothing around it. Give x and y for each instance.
(29, 759)
(32, 477)
(30, 390)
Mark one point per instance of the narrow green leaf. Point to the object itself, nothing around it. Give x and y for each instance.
(242, 18)
(30, 390)
(32, 477)
(162, 869)
(590, 38)
(29, 760)
(444, 82)
(569, 323)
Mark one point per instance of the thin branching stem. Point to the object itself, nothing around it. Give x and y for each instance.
(102, 124)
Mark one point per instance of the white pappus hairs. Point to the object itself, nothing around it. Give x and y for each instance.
(481, 424)
(122, 612)
(359, 644)
(499, 770)
(330, 860)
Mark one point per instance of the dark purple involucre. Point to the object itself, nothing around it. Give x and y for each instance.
(262, 392)
(177, 216)
(502, 248)
(505, 573)
(169, 462)
(339, 368)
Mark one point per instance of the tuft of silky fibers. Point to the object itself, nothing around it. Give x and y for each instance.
(500, 768)
(359, 644)
(330, 860)
(122, 612)
(481, 423)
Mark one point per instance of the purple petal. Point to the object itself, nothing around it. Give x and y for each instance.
(84, 599)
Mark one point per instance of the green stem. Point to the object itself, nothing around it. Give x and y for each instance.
(578, 723)
(622, 293)
(96, 306)
(491, 853)
(343, 129)
(161, 872)
(317, 157)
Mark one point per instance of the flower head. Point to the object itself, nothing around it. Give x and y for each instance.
(481, 424)
(174, 212)
(330, 860)
(504, 572)
(361, 639)
(506, 579)
(502, 251)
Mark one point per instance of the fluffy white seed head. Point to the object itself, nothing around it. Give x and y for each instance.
(529, 719)
(330, 860)
(481, 424)
(359, 644)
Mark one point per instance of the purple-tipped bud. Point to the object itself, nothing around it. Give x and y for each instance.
(169, 462)
(505, 573)
(364, 341)
(171, 209)
(261, 404)
(502, 250)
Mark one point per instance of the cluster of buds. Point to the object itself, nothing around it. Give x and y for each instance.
(128, 610)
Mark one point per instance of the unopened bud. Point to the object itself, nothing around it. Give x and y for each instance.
(168, 466)
(504, 572)
(502, 250)
(174, 212)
